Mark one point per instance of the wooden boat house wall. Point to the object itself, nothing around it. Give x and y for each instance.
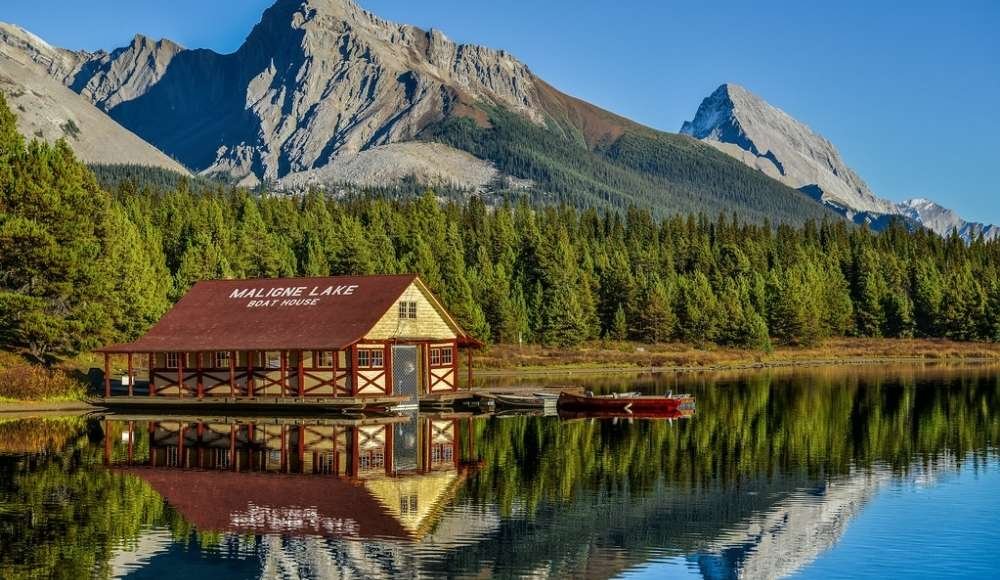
(357, 337)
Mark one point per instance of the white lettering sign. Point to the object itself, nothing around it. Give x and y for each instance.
(289, 296)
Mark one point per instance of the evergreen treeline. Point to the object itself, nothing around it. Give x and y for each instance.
(80, 267)
(112, 175)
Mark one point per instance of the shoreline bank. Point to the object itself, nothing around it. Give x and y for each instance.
(14, 409)
(834, 362)
(604, 357)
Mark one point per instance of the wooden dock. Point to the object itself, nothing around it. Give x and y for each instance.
(237, 404)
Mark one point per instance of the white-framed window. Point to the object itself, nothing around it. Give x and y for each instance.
(173, 360)
(324, 359)
(441, 356)
(407, 309)
(221, 360)
(370, 358)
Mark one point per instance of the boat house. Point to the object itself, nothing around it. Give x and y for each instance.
(348, 339)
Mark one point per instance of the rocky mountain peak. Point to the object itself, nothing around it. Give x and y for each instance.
(740, 123)
(944, 221)
(25, 47)
(745, 126)
(142, 42)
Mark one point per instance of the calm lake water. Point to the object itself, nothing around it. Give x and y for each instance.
(826, 473)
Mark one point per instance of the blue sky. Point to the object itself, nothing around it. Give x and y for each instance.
(909, 92)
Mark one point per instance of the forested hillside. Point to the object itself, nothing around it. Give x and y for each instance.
(670, 174)
(81, 266)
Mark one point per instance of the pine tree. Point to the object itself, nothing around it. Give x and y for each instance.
(619, 325)
(869, 290)
(654, 320)
(697, 309)
(56, 285)
(928, 291)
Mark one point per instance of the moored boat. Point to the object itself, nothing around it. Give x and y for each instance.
(624, 403)
(518, 401)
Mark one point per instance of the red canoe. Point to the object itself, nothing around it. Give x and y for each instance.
(627, 403)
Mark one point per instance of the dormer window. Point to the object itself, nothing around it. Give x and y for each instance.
(407, 309)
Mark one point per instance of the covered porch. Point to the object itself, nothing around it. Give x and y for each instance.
(362, 371)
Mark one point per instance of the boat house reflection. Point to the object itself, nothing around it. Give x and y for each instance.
(371, 477)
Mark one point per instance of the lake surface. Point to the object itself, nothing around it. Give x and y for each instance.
(824, 473)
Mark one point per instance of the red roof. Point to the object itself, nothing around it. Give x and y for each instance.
(328, 313)
(224, 501)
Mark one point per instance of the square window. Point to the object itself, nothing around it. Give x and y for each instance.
(222, 360)
(173, 360)
(407, 309)
(370, 358)
(324, 359)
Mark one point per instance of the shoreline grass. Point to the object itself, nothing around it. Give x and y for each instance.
(23, 382)
(622, 356)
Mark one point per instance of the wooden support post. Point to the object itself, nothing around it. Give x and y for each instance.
(428, 385)
(354, 370)
(284, 373)
(180, 374)
(387, 362)
(302, 373)
(199, 383)
(232, 373)
(131, 377)
(336, 370)
(250, 373)
(454, 366)
(152, 375)
(107, 376)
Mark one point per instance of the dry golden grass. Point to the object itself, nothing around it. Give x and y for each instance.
(23, 381)
(679, 355)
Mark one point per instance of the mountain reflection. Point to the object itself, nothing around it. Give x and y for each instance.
(766, 477)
